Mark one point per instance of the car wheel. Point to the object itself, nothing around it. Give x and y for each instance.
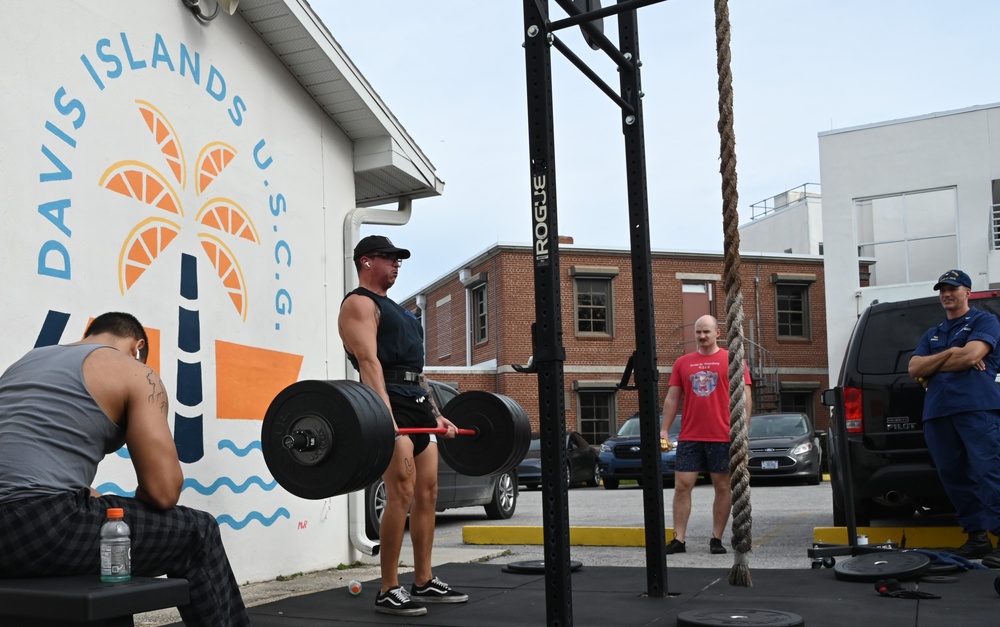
(610, 484)
(504, 498)
(815, 479)
(374, 508)
(593, 481)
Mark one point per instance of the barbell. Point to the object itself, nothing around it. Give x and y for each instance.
(324, 438)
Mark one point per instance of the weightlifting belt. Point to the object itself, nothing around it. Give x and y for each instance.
(400, 376)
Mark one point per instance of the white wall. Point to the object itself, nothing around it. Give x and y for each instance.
(798, 227)
(950, 149)
(68, 113)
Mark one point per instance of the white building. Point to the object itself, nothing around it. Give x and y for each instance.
(791, 222)
(210, 177)
(920, 196)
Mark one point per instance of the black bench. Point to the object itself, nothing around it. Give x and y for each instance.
(85, 600)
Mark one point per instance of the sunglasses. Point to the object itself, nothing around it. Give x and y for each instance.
(392, 258)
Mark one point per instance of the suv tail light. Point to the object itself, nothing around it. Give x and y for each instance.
(852, 410)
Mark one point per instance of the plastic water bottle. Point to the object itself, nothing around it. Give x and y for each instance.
(116, 547)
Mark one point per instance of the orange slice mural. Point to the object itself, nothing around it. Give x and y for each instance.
(212, 160)
(142, 246)
(228, 270)
(248, 378)
(166, 139)
(227, 216)
(140, 181)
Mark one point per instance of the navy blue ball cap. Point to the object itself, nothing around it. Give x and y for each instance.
(954, 277)
(379, 244)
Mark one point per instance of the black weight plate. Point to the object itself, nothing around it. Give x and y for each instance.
(501, 433)
(744, 617)
(522, 434)
(937, 579)
(884, 565)
(379, 456)
(375, 425)
(535, 567)
(336, 467)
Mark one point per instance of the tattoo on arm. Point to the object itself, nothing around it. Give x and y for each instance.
(422, 380)
(157, 394)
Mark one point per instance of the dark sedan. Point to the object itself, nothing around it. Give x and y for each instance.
(784, 445)
(580, 467)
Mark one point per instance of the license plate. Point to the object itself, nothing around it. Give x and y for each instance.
(769, 464)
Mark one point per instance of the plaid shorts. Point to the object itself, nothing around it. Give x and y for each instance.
(702, 456)
(60, 535)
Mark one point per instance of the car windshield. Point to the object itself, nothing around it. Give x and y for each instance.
(536, 445)
(778, 426)
(630, 428)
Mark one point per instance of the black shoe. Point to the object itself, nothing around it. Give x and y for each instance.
(675, 546)
(978, 545)
(397, 601)
(992, 560)
(437, 591)
(715, 546)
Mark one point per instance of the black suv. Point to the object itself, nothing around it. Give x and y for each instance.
(880, 408)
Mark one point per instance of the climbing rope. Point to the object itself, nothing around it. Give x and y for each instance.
(742, 544)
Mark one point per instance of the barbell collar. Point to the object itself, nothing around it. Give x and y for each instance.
(304, 440)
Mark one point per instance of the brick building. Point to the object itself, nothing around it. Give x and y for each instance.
(477, 323)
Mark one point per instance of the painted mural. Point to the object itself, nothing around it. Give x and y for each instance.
(156, 179)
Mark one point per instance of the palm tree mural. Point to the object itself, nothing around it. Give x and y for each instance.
(222, 217)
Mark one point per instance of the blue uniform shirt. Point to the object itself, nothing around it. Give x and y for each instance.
(969, 390)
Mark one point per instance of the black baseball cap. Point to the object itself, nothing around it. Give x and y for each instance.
(954, 277)
(378, 244)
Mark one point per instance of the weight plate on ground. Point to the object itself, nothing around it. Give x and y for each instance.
(535, 567)
(502, 439)
(744, 617)
(358, 431)
(938, 579)
(885, 565)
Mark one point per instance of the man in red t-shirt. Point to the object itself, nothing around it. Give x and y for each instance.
(701, 380)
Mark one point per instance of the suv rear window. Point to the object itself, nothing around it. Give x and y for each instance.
(891, 336)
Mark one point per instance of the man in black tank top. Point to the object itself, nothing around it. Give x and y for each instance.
(385, 343)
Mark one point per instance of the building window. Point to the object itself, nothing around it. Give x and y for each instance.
(597, 411)
(443, 315)
(480, 330)
(593, 306)
(995, 216)
(593, 294)
(912, 235)
(798, 401)
(792, 310)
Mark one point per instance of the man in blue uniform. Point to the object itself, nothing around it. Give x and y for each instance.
(385, 343)
(957, 363)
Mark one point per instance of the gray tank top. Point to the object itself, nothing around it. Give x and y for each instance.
(52, 431)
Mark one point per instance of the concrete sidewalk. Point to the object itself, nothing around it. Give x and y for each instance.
(269, 591)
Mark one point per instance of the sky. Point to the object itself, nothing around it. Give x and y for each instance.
(453, 73)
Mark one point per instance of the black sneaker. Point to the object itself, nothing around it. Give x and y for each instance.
(675, 546)
(978, 545)
(397, 601)
(437, 591)
(992, 560)
(715, 546)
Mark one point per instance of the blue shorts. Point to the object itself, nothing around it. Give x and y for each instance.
(702, 456)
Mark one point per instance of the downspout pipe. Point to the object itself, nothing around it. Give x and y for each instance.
(352, 235)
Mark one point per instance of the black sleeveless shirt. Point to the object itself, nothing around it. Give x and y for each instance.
(400, 340)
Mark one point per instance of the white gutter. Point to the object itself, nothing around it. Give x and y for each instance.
(352, 235)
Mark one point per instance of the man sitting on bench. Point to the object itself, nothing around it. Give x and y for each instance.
(62, 409)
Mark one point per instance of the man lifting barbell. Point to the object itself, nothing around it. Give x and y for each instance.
(385, 344)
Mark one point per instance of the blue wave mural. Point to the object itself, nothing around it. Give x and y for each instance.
(267, 521)
(195, 485)
(239, 452)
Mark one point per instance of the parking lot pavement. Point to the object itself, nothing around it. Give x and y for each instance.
(783, 518)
